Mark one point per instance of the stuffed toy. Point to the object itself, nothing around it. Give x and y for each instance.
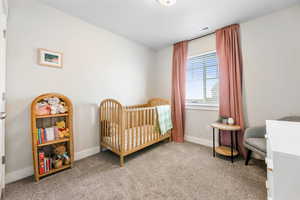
(43, 108)
(63, 132)
(62, 108)
(60, 155)
(57, 106)
(54, 104)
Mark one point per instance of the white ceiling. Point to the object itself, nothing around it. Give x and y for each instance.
(149, 23)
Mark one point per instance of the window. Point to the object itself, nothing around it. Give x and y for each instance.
(203, 80)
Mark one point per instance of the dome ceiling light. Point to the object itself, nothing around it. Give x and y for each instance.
(167, 2)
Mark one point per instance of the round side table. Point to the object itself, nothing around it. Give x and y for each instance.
(224, 150)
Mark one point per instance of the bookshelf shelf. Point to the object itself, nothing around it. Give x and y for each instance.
(40, 125)
(54, 142)
(55, 170)
(48, 116)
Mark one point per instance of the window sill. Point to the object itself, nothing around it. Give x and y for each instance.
(201, 107)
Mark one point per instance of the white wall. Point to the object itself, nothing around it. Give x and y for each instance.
(97, 64)
(271, 54)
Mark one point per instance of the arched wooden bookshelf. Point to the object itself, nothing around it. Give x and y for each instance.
(48, 120)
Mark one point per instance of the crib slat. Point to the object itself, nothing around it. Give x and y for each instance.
(148, 126)
(128, 130)
(140, 126)
(112, 125)
(135, 128)
(105, 119)
(118, 123)
(155, 125)
(151, 123)
(111, 130)
(145, 125)
(102, 123)
(110, 133)
(108, 120)
(118, 126)
(132, 130)
(154, 131)
(115, 128)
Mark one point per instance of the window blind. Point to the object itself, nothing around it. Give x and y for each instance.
(203, 79)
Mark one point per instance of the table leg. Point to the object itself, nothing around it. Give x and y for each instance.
(231, 135)
(236, 141)
(214, 152)
(219, 137)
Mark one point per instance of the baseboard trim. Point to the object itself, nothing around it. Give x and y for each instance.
(28, 171)
(86, 153)
(197, 140)
(18, 174)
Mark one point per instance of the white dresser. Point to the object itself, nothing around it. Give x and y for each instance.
(283, 160)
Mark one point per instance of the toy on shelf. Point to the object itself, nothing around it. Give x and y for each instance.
(63, 132)
(51, 105)
(43, 108)
(61, 156)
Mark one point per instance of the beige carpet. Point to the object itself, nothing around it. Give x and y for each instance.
(163, 171)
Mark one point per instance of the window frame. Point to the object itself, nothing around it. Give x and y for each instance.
(197, 105)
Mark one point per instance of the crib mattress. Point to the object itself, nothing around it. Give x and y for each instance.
(134, 137)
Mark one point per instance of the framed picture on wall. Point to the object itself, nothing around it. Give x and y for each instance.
(50, 58)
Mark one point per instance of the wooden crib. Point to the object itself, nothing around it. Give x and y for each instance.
(127, 129)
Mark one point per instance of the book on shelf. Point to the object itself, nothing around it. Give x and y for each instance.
(42, 135)
(45, 163)
(47, 134)
(41, 162)
(50, 133)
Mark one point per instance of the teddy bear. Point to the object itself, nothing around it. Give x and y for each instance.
(63, 132)
(60, 156)
(54, 104)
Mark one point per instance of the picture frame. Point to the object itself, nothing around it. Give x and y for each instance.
(50, 58)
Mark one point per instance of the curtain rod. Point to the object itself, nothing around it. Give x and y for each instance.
(195, 38)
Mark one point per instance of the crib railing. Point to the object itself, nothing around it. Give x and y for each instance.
(125, 130)
(111, 117)
(139, 116)
(140, 123)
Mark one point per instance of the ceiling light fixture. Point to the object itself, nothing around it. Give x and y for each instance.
(167, 2)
